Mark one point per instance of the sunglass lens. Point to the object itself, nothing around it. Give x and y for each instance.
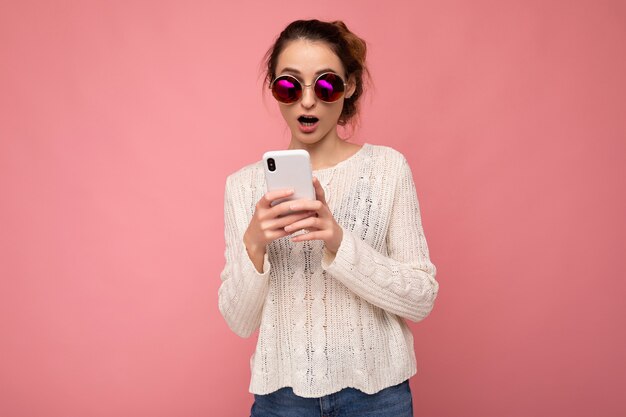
(286, 89)
(329, 87)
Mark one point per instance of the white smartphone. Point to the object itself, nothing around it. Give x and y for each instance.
(289, 169)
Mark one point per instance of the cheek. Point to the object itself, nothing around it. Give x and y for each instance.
(335, 111)
(285, 111)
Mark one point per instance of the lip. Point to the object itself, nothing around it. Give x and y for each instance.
(308, 129)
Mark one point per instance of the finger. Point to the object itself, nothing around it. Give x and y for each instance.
(314, 235)
(280, 222)
(307, 223)
(319, 190)
(277, 234)
(289, 207)
(270, 196)
(300, 205)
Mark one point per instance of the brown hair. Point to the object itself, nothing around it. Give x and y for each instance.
(350, 49)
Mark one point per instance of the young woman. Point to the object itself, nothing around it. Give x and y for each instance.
(328, 282)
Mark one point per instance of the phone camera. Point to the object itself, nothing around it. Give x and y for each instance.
(271, 164)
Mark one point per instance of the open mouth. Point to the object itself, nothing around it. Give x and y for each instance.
(307, 120)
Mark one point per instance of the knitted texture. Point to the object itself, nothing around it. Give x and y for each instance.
(329, 322)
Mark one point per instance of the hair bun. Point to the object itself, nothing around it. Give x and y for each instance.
(356, 44)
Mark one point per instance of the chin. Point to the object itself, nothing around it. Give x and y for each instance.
(309, 139)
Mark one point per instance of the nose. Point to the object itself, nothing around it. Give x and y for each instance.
(308, 97)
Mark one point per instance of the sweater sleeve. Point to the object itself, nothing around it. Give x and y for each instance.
(402, 283)
(243, 289)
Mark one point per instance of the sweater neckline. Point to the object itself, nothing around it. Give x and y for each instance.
(344, 162)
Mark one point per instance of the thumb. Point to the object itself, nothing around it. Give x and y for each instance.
(319, 191)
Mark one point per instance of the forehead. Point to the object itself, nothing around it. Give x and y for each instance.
(308, 57)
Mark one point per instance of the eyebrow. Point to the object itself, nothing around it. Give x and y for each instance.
(295, 71)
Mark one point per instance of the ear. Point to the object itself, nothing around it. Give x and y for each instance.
(351, 86)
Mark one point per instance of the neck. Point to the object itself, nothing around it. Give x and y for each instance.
(323, 152)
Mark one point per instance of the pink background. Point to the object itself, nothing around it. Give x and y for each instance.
(120, 120)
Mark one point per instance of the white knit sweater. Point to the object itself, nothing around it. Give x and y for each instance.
(326, 323)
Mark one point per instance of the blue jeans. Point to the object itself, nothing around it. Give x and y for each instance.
(394, 401)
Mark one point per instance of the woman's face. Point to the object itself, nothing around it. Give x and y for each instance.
(305, 60)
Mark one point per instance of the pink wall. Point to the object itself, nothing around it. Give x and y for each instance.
(119, 121)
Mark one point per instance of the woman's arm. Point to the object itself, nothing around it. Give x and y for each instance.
(243, 289)
(403, 282)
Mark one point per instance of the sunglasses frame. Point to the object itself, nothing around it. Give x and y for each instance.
(303, 85)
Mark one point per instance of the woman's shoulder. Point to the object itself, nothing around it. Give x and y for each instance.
(387, 155)
(246, 175)
(385, 150)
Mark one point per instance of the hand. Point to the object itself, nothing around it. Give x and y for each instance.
(267, 224)
(321, 226)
